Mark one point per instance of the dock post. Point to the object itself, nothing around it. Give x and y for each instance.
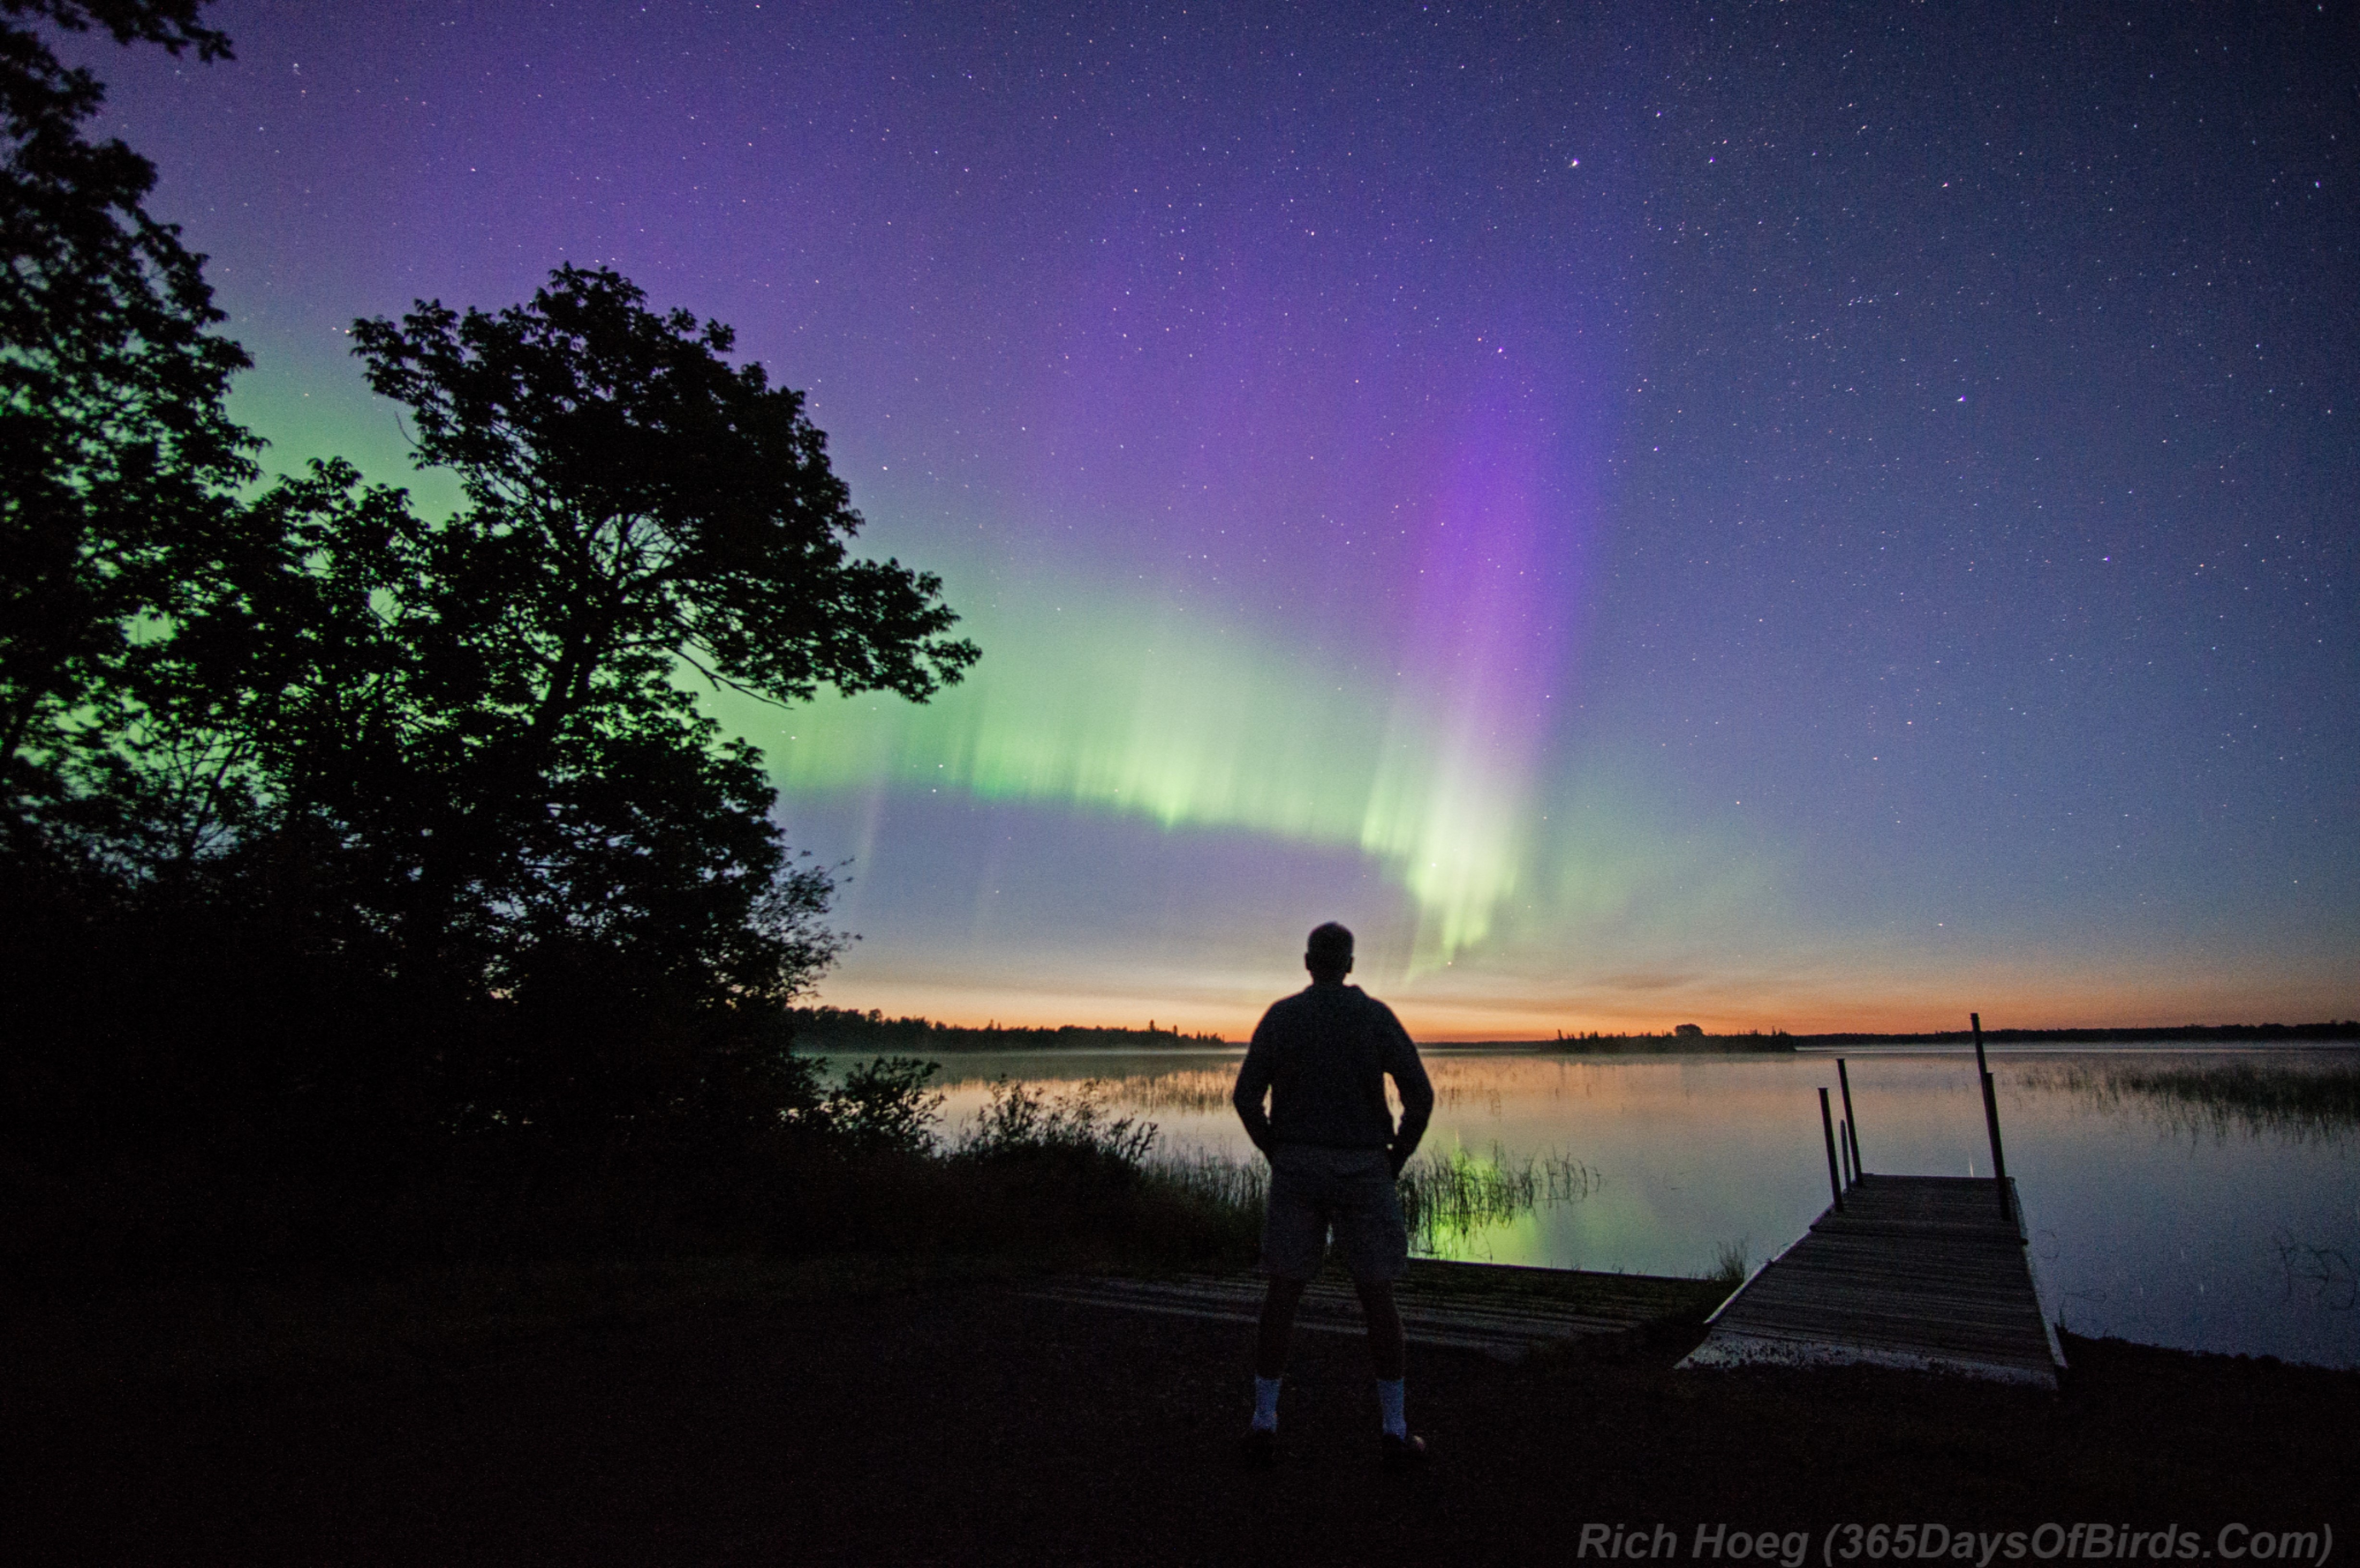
(1844, 1151)
(1990, 1119)
(1827, 1127)
(1852, 1122)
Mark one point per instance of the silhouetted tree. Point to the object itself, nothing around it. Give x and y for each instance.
(327, 831)
(117, 460)
(460, 754)
(637, 503)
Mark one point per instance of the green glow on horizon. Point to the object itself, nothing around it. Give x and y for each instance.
(1142, 708)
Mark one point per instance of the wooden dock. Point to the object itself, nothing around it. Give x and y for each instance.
(1910, 1271)
(1502, 1311)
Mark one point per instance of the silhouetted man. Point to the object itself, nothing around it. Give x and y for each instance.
(1322, 1056)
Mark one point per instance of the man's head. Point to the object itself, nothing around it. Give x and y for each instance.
(1329, 954)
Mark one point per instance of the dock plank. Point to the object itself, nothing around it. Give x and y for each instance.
(1914, 1271)
(1503, 1311)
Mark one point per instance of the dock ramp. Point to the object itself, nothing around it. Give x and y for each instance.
(1913, 1271)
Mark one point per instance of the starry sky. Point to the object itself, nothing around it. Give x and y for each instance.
(1775, 516)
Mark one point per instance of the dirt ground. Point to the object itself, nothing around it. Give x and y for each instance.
(962, 1422)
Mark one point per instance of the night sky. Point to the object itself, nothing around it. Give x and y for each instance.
(1780, 515)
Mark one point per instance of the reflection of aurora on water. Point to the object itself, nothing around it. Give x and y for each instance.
(2233, 1243)
(1454, 1198)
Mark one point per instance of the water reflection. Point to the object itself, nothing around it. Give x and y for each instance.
(1454, 1199)
(2196, 1199)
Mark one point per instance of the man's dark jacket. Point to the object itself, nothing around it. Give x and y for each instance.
(1322, 1055)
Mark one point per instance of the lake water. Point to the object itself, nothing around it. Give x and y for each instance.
(2149, 1221)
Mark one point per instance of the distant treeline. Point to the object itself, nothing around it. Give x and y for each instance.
(1608, 1045)
(848, 1030)
(845, 1029)
(1688, 1038)
(2349, 1028)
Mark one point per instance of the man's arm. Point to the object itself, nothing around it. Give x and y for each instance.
(1253, 1084)
(1416, 1094)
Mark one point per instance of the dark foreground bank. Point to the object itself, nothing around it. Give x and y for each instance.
(876, 1413)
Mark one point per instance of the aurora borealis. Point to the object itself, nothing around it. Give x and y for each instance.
(1764, 516)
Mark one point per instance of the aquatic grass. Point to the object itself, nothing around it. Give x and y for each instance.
(1483, 1081)
(1076, 1137)
(1445, 1198)
(2303, 1100)
(1238, 1184)
(1222, 1196)
(1066, 1164)
(1204, 1091)
(1449, 1197)
(1730, 1265)
(1198, 1090)
(1019, 1121)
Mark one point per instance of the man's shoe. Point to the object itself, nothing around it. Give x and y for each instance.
(1404, 1452)
(1259, 1447)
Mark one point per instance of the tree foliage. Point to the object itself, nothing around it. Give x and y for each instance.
(463, 756)
(636, 504)
(117, 459)
(634, 494)
(347, 851)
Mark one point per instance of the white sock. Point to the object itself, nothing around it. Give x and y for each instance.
(1389, 1401)
(1266, 1404)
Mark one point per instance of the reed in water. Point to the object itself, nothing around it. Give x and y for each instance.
(2300, 1098)
(1446, 1197)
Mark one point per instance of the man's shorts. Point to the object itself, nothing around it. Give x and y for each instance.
(1351, 1190)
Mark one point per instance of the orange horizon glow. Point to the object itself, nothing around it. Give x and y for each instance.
(1446, 1020)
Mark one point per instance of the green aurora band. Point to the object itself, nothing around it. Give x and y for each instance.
(1137, 707)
